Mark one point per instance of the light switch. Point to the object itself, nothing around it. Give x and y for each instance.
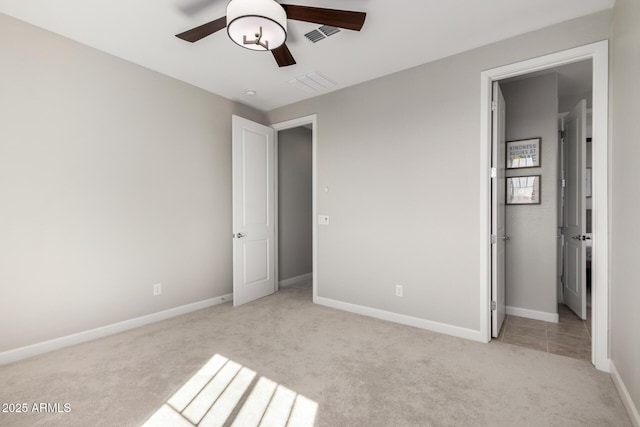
(323, 219)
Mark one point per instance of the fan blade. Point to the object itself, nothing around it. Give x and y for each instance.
(335, 18)
(283, 56)
(204, 30)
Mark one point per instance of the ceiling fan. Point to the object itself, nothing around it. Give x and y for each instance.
(262, 25)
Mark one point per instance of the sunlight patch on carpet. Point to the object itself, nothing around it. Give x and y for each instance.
(213, 396)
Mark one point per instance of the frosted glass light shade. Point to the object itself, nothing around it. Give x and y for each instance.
(246, 17)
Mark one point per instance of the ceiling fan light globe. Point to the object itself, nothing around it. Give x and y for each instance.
(246, 17)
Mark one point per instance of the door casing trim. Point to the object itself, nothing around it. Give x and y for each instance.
(599, 54)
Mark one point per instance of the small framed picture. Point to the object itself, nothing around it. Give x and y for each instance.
(524, 153)
(523, 190)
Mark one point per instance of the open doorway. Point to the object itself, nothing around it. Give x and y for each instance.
(546, 267)
(295, 195)
(295, 221)
(598, 53)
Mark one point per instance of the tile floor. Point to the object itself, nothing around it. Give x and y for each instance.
(570, 337)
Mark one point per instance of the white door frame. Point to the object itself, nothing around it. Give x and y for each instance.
(289, 124)
(599, 54)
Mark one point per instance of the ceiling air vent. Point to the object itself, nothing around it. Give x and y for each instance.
(321, 33)
(328, 30)
(312, 82)
(315, 36)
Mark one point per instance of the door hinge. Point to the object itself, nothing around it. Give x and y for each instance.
(564, 183)
(494, 239)
(494, 306)
(494, 172)
(494, 105)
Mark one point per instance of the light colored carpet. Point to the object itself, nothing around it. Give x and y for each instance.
(360, 372)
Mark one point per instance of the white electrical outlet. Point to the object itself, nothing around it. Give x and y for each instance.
(398, 290)
(157, 289)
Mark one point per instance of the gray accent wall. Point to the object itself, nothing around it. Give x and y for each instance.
(531, 255)
(112, 178)
(625, 241)
(294, 203)
(401, 155)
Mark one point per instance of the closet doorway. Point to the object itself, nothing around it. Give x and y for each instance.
(296, 202)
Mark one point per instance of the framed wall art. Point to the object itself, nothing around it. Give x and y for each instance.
(523, 153)
(523, 190)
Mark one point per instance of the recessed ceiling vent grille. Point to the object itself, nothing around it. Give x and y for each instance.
(329, 30)
(321, 33)
(315, 36)
(312, 82)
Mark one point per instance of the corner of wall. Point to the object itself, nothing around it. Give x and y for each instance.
(629, 405)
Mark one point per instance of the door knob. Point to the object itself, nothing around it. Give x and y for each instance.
(505, 238)
(240, 235)
(581, 237)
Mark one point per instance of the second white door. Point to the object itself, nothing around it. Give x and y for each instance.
(575, 288)
(498, 229)
(253, 160)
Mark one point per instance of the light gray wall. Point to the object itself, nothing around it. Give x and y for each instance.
(401, 156)
(566, 103)
(294, 203)
(112, 178)
(531, 270)
(625, 242)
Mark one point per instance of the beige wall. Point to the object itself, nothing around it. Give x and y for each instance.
(112, 178)
(294, 203)
(401, 156)
(625, 242)
(531, 268)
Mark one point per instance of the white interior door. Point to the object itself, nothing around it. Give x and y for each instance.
(253, 210)
(575, 285)
(498, 229)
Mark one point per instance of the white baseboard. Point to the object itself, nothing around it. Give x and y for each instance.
(92, 334)
(632, 410)
(533, 314)
(441, 328)
(295, 280)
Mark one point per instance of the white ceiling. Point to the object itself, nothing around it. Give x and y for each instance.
(397, 34)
